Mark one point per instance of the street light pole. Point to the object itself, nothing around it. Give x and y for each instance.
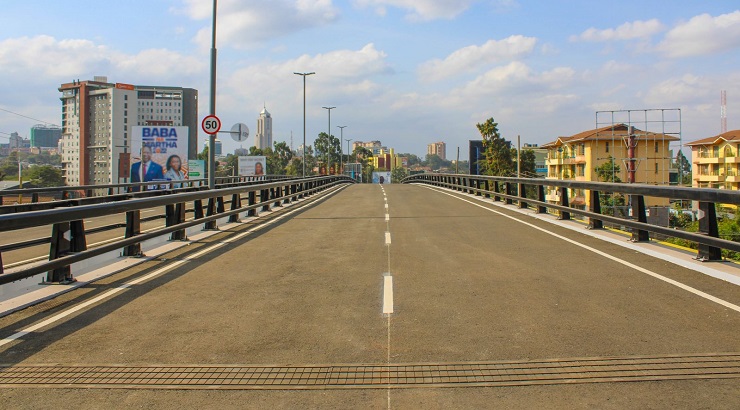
(304, 118)
(341, 137)
(348, 151)
(328, 139)
(212, 137)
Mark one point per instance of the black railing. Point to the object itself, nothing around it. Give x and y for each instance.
(68, 242)
(509, 190)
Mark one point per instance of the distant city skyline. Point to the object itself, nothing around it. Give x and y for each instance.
(406, 73)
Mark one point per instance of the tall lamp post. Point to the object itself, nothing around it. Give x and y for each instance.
(212, 137)
(341, 137)
(328, 139)
(348, 151)
(304, 118)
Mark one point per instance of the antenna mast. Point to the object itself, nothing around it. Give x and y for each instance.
(723, 111)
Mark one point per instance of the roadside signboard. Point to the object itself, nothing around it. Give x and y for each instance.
(211, 124)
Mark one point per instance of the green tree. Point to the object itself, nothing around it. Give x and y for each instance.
(684, 168)
(608, 171)
(327, 143)
(45, 176)
(435, 162)
(282, 156)
(497, 150)
(398, 174)
(203, 155)
(527, 163)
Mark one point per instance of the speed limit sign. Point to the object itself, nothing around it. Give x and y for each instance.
(211, 124)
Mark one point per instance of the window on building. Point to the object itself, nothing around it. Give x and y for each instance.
(656, 167)
(656, 147)
(607, 146)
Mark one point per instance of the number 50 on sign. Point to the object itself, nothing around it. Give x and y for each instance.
(211, 124)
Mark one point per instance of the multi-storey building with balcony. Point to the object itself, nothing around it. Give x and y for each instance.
(97, 117)
(577, 157)
(715, 161)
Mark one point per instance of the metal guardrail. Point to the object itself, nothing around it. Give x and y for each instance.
(90, 194)
(508, 190)
(68, 234)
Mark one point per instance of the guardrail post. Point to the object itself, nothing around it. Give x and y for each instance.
(638, 214)
(594, 223)
(523, 196)
(708, 226)
(477, 187)
(133, 228)
(286, 193)
(198, 209)
(496, 198)
(34, 197)
(564, 215)
(458, 184)
(251, 200)
(210, 211)
(487, 185)
(276, 194)
(541, 209)
(60, 246)
(220, 207)
(78, 242)
(265, 199)
(236, 203)
(294, 191)
(509, 192)
(175, 214)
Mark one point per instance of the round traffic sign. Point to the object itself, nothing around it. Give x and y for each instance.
(239, 132)
(211, 124)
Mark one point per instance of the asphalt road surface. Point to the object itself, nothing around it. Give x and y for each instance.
(334, 283)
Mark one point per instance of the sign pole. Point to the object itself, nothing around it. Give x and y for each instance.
(212, 137)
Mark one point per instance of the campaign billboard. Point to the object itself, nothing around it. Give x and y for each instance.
(252, 166)
(382, 177)
(159, 153)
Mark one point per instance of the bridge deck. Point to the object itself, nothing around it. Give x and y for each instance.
(479, 298)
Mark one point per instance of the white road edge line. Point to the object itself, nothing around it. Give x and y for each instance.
(606, 255)
(174, 264)
(387, 217)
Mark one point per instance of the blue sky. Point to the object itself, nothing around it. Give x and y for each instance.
(406, 72)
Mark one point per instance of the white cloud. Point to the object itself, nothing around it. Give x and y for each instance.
(423, 10)
(702, 35)
(627, 31)
(55, 60)
(679, 91)
(469, 58)
(243, 24)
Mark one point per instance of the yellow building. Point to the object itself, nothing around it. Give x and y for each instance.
(387, 160)
(577, 157)
(715, 162)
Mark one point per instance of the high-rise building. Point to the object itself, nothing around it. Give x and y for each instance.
(97, 117)
(263, 136)
(218, 147)
(44, 136)
(437, 148)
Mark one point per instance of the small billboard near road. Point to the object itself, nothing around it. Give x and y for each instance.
(252, 166)
(383, 177)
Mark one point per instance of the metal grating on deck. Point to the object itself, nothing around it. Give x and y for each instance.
(504, 373)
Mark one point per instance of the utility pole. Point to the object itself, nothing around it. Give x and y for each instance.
(304, 118)
(341, 137)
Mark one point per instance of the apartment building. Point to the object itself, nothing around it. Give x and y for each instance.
(715, 161)
(578, 156)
